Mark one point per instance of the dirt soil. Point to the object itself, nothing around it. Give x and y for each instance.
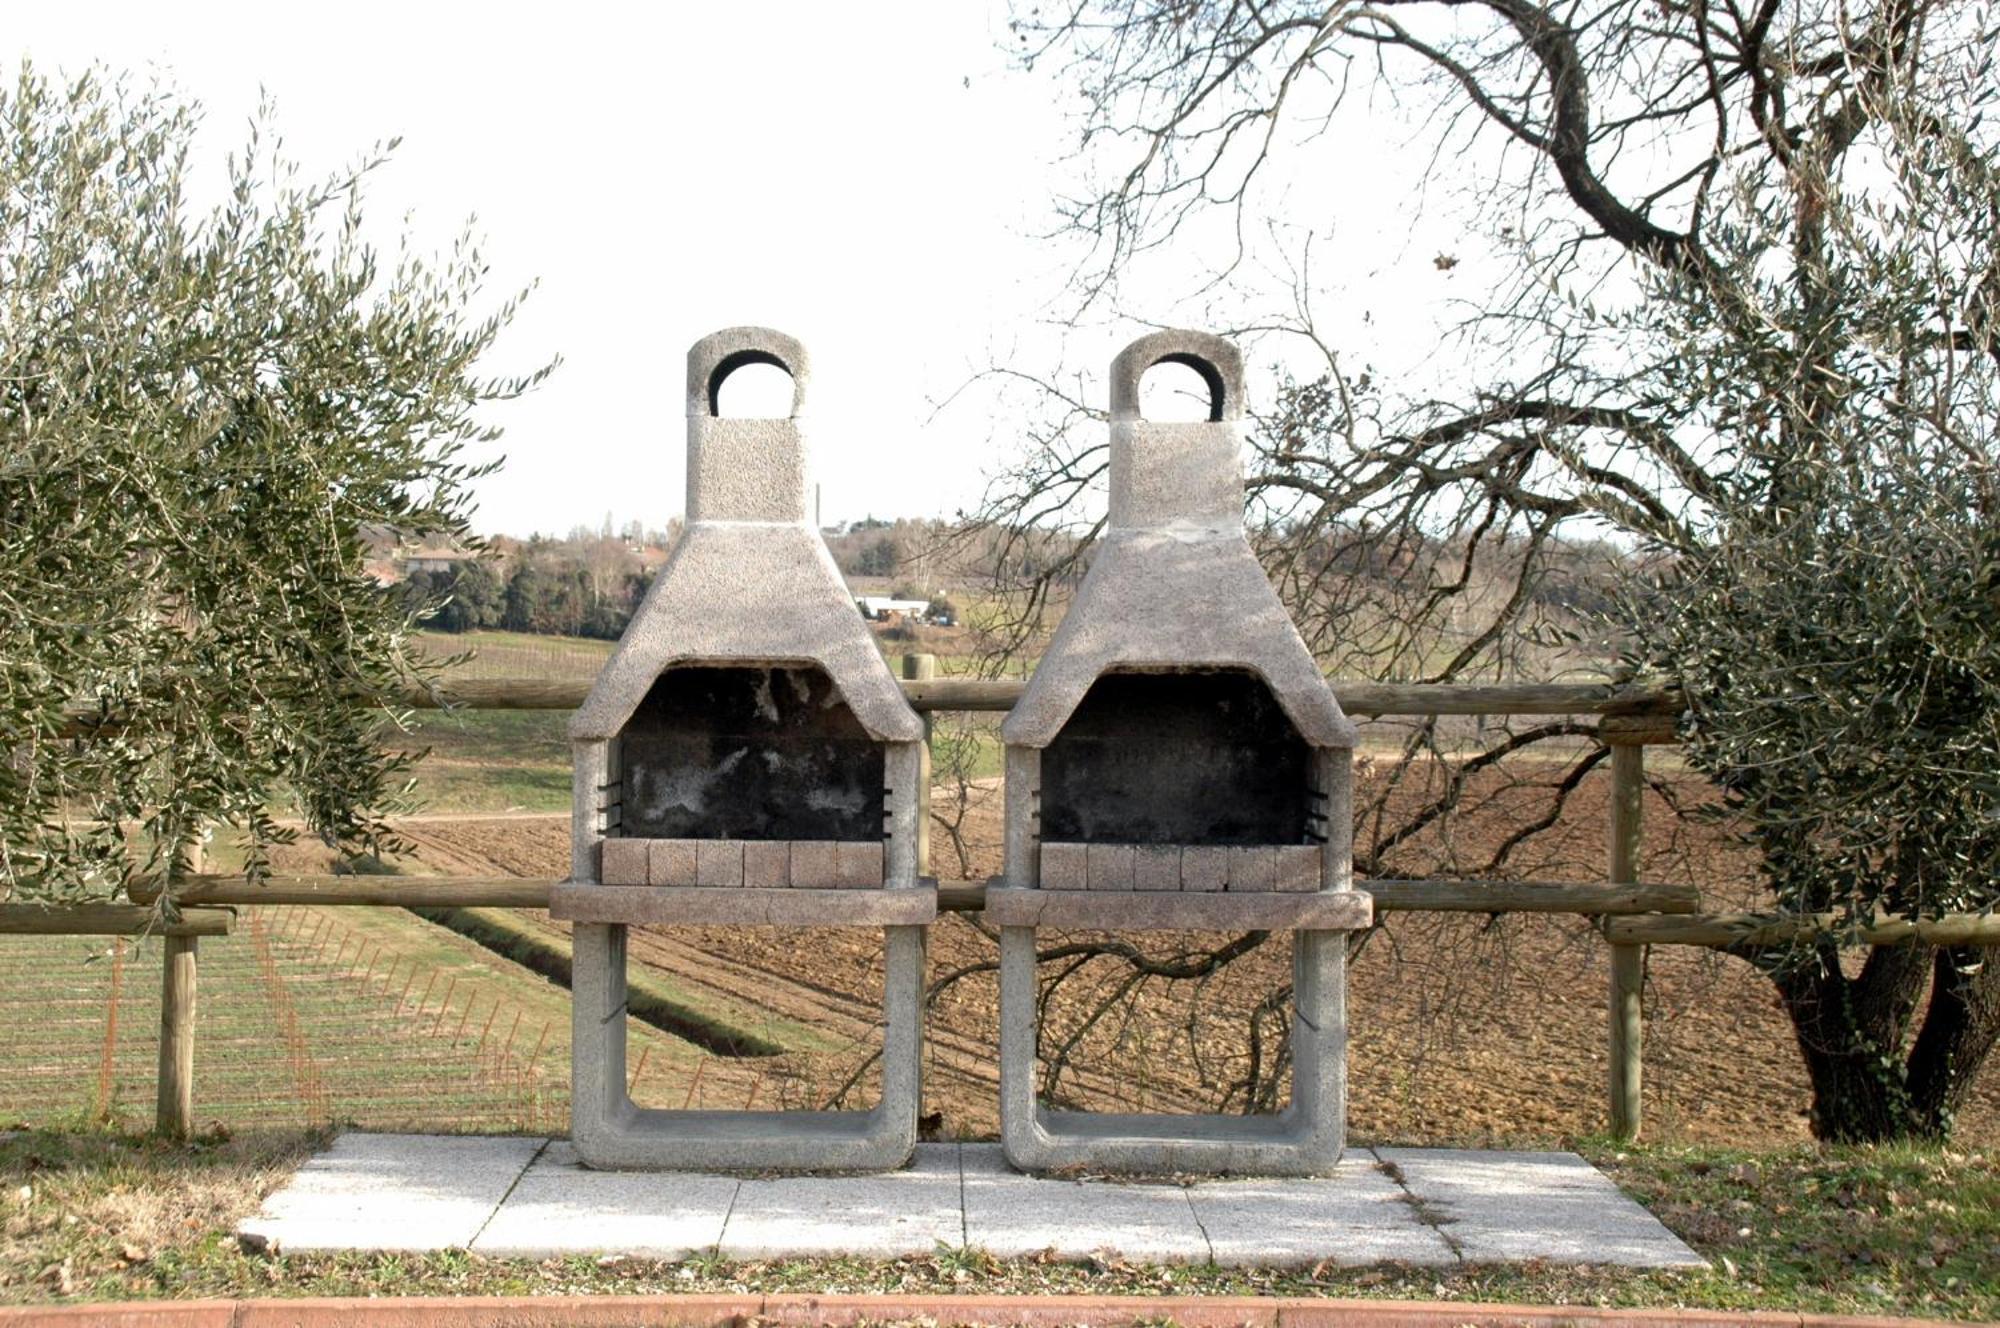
(1463, 1028)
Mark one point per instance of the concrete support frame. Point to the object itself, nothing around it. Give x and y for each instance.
(612, 1133)
(1175, 586)
(1305, 1139)
(750, 583)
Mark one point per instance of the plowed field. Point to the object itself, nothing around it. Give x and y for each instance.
(1463, 1028)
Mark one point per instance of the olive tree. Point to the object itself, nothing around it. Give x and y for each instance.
(201, 410)
(1837, 631)
(1744, 335)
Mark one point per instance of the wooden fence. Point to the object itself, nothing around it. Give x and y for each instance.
(1631, 915)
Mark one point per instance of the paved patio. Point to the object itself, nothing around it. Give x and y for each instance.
(529, 1197)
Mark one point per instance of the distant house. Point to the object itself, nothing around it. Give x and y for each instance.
(432, 558)
(881, 608)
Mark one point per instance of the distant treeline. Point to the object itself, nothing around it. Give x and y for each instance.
(533, 597)
(589, 583)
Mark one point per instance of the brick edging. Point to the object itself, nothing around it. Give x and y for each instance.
(810, 1311)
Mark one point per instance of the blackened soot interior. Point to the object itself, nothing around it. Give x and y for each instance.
(750, 753)
(1203, 757)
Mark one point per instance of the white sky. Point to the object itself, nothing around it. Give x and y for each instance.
(871, 179)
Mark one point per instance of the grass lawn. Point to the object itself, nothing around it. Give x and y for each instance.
(90, 1216)
(518, 654)
(491, 760)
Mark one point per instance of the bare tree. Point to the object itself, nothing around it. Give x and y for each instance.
(1645, 162)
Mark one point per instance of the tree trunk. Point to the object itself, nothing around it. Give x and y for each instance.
(1958, 1034)
(1850, 1032)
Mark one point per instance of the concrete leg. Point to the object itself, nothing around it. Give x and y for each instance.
(599, 1106)
(1319, 1044)
(611, 1133)
(1304, 1140)
(1020, 1125)
(904, 970)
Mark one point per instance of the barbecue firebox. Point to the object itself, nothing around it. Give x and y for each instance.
(744, 757)
(1179, 763)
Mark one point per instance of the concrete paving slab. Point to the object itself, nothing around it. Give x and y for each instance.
(562, 1207)
(394, 1192)
(1357, 1216)
(984, 1160)
(882, 1216)
(1420, 1206)
(1008, 1214)
(1505, 1207)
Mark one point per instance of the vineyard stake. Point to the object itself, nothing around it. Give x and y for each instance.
(644, 1052)
(489, 1027)
(106, 1062)
(444, 1006)
(538, 1050)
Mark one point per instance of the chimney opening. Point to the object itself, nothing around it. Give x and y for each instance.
(1181, 388)
(752, 384)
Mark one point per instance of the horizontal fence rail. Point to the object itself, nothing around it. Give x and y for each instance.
(1723, 931)
(1632, 914)
(1443, 896)
(1645, 913)
(110, 920)
(1634, 712)
(991, 694)
(360, 891)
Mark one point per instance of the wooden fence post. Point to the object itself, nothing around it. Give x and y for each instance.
(174, 1115)
(173, 1112)
(1628, 962)
(920, 668)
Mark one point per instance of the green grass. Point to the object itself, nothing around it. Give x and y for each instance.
(449, 788)
(518, 654)
(530, 737)
(652, 996)
(491, 760)
(283, 1034)
(1896, 1229)
(1868, 1231)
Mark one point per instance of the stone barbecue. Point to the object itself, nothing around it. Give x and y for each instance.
(744, 757)
(1178, 762)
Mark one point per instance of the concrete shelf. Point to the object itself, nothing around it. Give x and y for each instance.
(1176, 910)
(640, 905)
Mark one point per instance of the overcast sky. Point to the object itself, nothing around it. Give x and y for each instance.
(874, 179)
